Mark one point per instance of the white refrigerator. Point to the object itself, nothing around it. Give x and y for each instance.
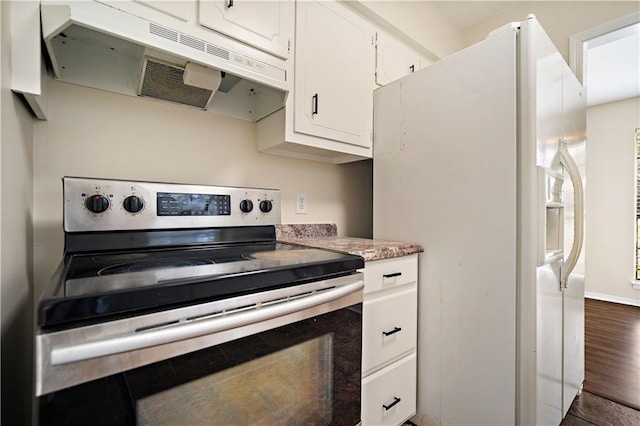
(480, 158)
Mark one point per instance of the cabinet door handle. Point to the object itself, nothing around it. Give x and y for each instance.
(412, 68)
(395, 274)
(229, 4)
(314, 110)
(395, 401)
(394, 331)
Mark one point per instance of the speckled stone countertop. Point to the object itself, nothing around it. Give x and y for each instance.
(325, 236)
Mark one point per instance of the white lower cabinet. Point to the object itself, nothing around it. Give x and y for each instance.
(389, 394)
(390, 329)
(389, 341)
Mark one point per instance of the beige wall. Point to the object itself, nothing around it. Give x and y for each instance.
(560, 19)
(100, 134)
(609, 198)
(16, 196)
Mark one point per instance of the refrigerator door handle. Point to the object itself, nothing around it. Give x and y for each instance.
(567, 161)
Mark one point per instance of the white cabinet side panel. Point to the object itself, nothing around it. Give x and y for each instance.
(445, 177)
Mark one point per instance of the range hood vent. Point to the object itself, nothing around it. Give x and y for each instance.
(189, 41)
(166, 82)
(100, 46)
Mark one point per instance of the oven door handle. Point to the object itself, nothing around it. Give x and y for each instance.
(195, 328)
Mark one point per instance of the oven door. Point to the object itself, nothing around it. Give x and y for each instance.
(287, 356)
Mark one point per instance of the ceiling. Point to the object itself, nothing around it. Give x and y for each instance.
(612, 61)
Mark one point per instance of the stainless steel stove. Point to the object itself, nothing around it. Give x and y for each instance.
(155, 272)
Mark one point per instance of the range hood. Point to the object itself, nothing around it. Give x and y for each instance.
(99, 46)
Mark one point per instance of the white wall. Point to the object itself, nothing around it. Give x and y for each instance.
(560, 19)
(16, 286)
(609, 198)
(99, 134)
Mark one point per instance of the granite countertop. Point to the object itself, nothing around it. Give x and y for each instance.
(325, 236)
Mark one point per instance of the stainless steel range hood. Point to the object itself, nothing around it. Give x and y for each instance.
(99, 46)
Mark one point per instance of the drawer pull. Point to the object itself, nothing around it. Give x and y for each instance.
(395, 274)
(395, 401)
(394, 331)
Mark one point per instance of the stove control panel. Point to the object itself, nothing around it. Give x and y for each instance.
(178, 204)
(114, 205)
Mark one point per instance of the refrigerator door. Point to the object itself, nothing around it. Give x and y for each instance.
(445, 176)
(574, 130)
(539, 292)
(551, 326)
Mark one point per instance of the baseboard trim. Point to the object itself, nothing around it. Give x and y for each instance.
(614, 299)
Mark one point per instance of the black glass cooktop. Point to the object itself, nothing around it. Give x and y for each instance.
(99, 286)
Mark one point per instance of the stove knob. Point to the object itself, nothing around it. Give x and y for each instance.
(96, 203)
(133, 204)
(266, 206)
(246, 206)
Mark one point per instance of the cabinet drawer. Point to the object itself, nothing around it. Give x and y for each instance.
(389, 327)
(393, 384)
(388, 273)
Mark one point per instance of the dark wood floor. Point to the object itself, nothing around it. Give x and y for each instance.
(590, 409)
(612, 351)
(612, 367)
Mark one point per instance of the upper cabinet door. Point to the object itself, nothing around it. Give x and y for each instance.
(395, 59)
(264, 24)
(334, 73)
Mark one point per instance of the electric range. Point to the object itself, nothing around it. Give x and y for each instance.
(154, 272)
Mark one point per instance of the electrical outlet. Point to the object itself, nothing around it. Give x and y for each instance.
(301, 203)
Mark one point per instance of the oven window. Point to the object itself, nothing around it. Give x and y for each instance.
(303, 373)
(293, 384)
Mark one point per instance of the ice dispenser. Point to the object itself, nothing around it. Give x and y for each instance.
(550, 216)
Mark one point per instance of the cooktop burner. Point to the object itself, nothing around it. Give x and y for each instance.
(88, 266)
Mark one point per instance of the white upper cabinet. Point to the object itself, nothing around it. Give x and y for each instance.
(263, 24)
(329, 113)
(177, 9)
(395, 59)
(333, 81)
